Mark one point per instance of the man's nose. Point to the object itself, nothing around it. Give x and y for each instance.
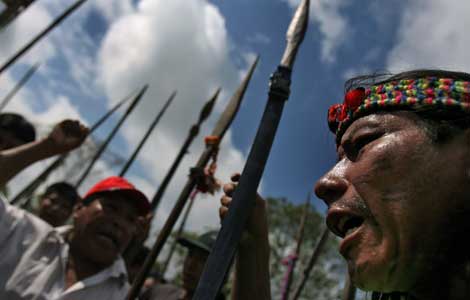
(330, 187)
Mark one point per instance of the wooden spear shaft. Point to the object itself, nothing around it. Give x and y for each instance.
(233, 225)
(178, 234)
(219, 130)
(18, 86)
(111, 135)
(193, 132)
(131, 159)
(28, 190)
(311, 263)
(42, 34)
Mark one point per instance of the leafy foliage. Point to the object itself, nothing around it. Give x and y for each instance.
(325, 281)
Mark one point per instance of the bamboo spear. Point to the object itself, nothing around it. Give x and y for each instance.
(28, 190)
(222, 253)
(193, 132)
(147, 135)
(311, 263)
(97, 155)
(292, 261)
(43, 33)
(219, 130)
(178, 234)
(18, 86)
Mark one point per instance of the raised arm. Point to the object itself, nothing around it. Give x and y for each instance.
(65, 136)
(252, 260)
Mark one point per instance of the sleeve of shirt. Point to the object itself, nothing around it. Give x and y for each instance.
(18, 231)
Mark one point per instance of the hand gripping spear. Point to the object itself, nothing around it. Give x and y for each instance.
(111, 135)
(26, 192)
(244, 195)
(18, 86)
(219, 131)
(292, 259)
(43, 33)
(147, 135)
(193, 132)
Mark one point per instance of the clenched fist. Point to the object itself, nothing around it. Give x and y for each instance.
(67, 135)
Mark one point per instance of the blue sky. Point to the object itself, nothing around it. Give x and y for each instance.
(110, 47)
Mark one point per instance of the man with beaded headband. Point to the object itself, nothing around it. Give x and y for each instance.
(399, 193)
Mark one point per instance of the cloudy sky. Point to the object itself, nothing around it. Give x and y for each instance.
(110, 47)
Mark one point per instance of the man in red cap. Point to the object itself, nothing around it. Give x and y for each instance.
(82, 261)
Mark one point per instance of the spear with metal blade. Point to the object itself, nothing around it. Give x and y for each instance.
(193, 132)
(147, 135)
(311, 263)
(292, 259)
(27, 191)
(244, 195)
(43, 33)
(18, 86)
(219, 131)
(101, 149)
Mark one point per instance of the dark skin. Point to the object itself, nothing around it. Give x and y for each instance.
(400, 202)
(192, 270)
(55, 208)
(65, 136)
(102, 230)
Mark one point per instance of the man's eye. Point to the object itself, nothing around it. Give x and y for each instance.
(354, 148)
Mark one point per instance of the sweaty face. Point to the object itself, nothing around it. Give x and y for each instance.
(394, 196)
(55, 208)
(193, 267)
(105, 227)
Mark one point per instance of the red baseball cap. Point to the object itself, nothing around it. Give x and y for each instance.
(121, 185)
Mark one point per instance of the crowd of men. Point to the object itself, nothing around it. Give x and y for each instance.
(398, 196)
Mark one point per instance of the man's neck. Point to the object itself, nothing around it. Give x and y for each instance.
(454, 286)
(79, 266)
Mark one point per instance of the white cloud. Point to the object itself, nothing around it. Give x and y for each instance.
(172, 45)
(22, 30)
(433, 34)
(333, 26)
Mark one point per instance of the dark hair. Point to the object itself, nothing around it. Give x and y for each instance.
(18, 126)
(65, 189)
(440, 124)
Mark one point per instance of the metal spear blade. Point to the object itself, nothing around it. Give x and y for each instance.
(295, 34)
(223, 251)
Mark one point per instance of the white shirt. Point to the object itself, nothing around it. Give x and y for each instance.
(33, 257)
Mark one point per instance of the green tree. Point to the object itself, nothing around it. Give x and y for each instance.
(325, 281)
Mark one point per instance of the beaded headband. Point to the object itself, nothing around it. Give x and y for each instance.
(410, 94)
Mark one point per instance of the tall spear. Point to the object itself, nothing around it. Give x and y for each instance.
(219, 131)
(111, 135)
(292, 259)
(178, 234)
(12, 11)
(18, 86)
(147, 135)
(43, 33)
(311, 263)
(28, 190)
(243, 200)
(193, 132)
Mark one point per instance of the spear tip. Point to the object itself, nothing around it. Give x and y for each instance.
(296, 33)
